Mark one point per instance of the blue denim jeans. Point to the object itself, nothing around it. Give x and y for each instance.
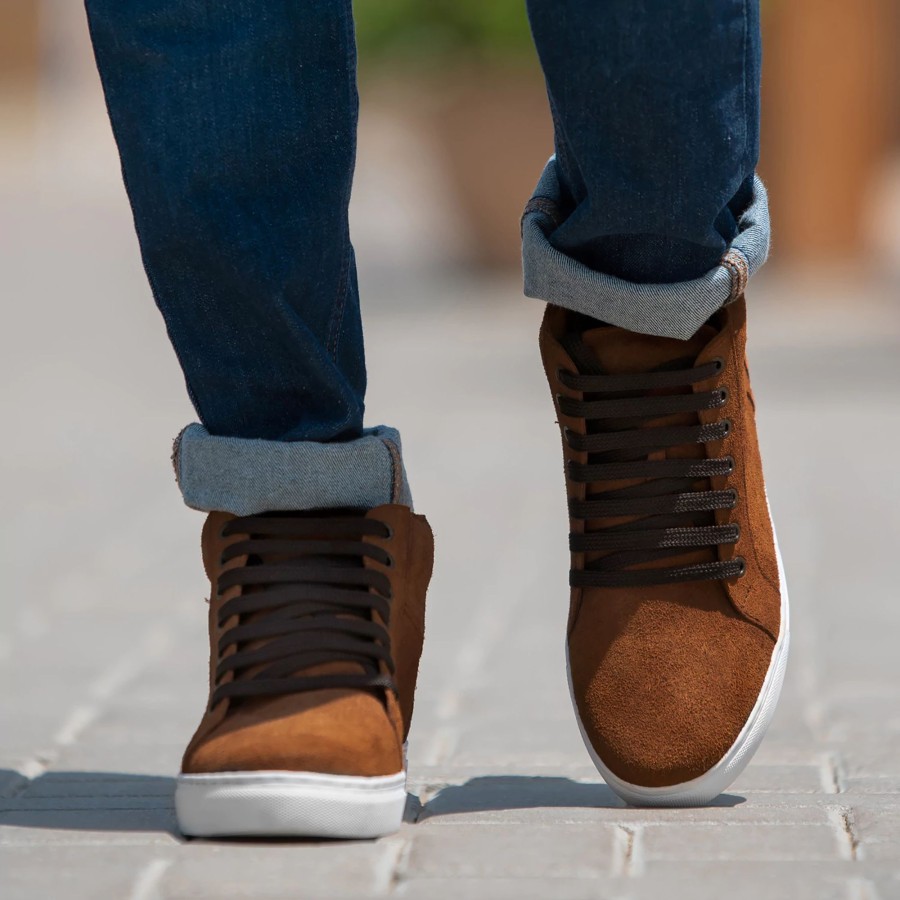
(236, 126)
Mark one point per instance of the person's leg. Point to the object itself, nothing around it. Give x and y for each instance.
(236, 123)
(236, 126)
(656, 113)
(641, 236)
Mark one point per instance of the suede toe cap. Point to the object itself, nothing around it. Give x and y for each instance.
(333, 732)
(663, 689)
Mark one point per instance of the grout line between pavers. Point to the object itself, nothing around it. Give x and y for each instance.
(146, 885)
(628, 851)
(396, 864)
(844, 824)
(831, 773)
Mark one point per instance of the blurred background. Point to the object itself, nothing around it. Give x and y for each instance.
(459, 80)
(96, 547)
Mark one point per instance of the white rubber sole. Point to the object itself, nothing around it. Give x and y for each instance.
(702, 790)
(289, 804)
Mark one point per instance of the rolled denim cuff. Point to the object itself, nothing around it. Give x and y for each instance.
(675, 309)
(245, 476)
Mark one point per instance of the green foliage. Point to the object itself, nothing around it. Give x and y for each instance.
(438, 32)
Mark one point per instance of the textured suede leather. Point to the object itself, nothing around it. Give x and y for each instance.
(335, 731)
(665, 677)
(412, 548)
(757, 594)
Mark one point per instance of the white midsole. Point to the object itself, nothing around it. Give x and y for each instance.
(295, 804)
(706, 787)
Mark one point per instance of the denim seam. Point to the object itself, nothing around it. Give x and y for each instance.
(108, 90)
(744, 92)
(544, 206)
(337, 316)
(396, 482)
(176, 446)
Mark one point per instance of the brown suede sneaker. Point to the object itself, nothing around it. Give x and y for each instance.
(678, 622)
(316, 622)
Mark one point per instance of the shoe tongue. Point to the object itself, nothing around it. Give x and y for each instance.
(307, 559)
(620, 352)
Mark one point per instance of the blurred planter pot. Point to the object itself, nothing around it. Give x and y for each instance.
(20, 63)
(494, 135)
(829, 89)
(19, 44)
(490, 130)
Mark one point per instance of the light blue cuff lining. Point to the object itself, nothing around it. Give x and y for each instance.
(245, 476)
(674, 310)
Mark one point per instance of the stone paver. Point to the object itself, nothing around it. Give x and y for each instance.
(103, 654)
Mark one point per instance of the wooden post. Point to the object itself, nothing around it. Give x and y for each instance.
(19, 45)
(827, 107)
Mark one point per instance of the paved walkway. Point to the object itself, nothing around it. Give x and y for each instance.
(102, 652)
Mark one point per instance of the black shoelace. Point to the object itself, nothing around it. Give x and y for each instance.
(306, 600)
(671, 510)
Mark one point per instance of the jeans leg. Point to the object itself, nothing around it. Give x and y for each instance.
(656, 112)
(236, 126)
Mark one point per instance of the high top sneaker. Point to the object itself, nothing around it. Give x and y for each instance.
(316, 622)
(678, 622)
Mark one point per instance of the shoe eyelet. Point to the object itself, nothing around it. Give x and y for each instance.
(727, 424)
(734, 498)
(390, 562)
(737, 532)
(571, 439)
(389, 530)
(723, 396)
(719, 364)
(730, 461)
(742, 571)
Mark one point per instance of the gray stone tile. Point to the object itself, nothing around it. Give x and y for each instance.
(686, 880)
(76, 873)
(560, 888)
(258, 871)
(768, 841)
(785, 779)
(512, 851)
(878, 831)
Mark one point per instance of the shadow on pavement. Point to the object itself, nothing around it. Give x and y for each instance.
(499, 792)
(89, 801)
(122, 802)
